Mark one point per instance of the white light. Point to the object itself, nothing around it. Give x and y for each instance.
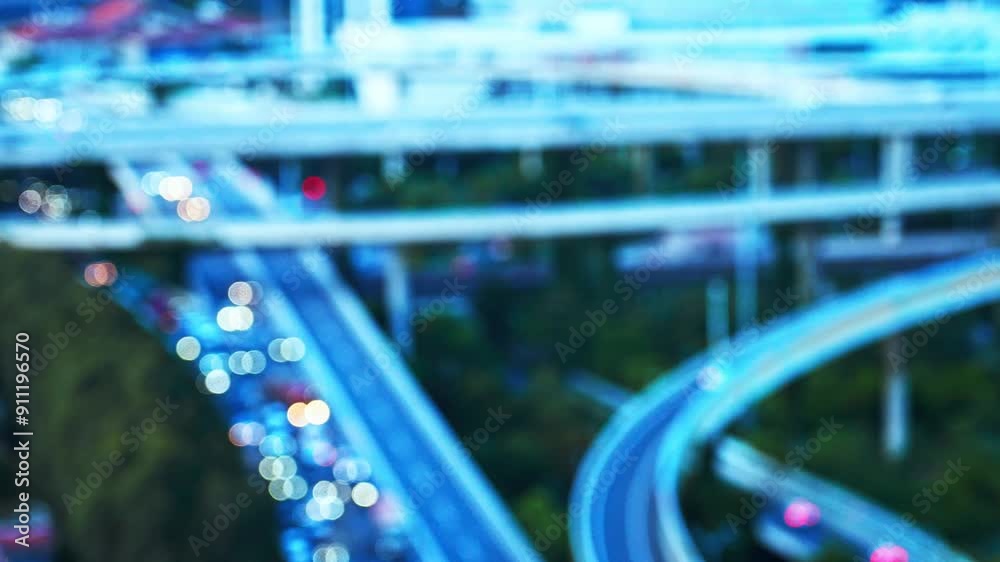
(253, 362)
(257, 433)
(324, 489)
(351, 470)
(266, 468)
(241, 293)
(331, 553)
(292, 349)
(210, 362)
(188, 348)
(195, 209)
(298, 487)
(234, 318)
(74, 120)
(175, 188)
(378, 92)
(274, 350)
(217, 381)
(277, 490)
(30, 201)
(150, 182)
(48, 110)
(365, 494)
(710, 378)
(244, 317)
(285, 467)
(317, 412)
(296, 415)
(23, 108)
(236, 363)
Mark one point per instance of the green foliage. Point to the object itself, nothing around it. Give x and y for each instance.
(105, 381)
(954, 417)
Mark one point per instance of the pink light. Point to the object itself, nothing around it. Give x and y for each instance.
(802, 513)
(890, 553)
(314, 188)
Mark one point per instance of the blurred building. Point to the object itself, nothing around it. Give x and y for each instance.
(706, 13)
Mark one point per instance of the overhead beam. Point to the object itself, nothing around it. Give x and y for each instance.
(442, 226)
(308, 129)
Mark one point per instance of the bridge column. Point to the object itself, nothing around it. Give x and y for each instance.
(806, 239)
(896, 161)
(309, 37)
(309, 26)
(290, 183)
(394, 168)
(330, 173)
(747, 250)
(643, 168)
(396, 291)
(895, 401)
(530, 163)
(716, 310)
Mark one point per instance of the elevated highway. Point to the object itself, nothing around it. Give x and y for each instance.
(634, 506)
(530, 221)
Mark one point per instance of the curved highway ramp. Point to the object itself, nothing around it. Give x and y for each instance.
(625, 502)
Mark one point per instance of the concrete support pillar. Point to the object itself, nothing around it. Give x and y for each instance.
(963, 155)
(290, 184)
(759, 155)
(896, 161)
(643, 168)
(309, 25)
(807, 275)
(895, 401)
(530, 163)
(747, 247)
(331, 173)
(396, 288)
(394, 168)
(716, 310)
(309, 38)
